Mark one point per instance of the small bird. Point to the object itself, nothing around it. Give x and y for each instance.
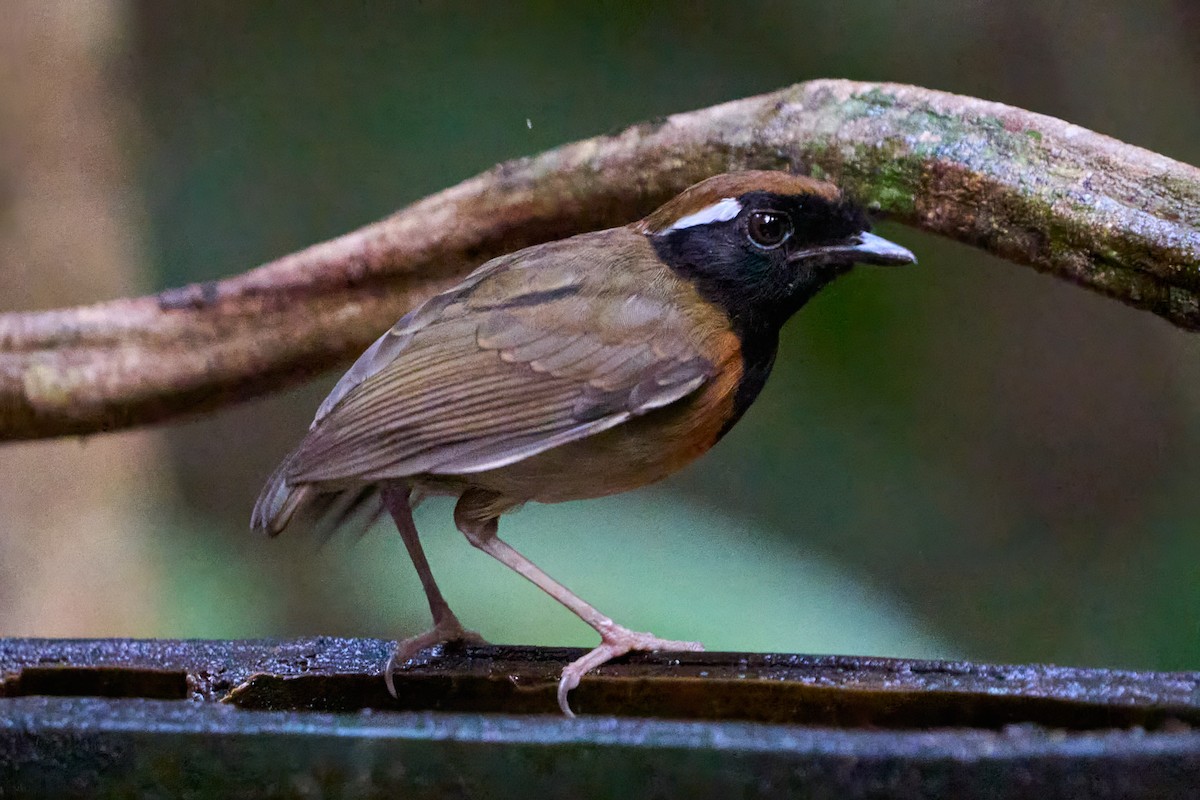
(574, 369)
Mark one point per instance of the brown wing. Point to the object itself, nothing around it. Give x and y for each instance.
(524, 356)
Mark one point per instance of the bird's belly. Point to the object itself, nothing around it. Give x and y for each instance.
(635, 453)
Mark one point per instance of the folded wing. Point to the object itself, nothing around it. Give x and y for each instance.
(518, 359)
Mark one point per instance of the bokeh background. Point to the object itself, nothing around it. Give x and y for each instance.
(961, 459)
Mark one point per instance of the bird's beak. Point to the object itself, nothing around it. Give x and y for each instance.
(862, 248)
(872, 249)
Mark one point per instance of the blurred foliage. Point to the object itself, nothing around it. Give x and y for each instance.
(797, 601)
(962, 447)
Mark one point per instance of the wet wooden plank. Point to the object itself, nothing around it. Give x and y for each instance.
(109, 714)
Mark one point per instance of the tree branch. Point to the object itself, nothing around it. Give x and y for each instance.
(1029, 188)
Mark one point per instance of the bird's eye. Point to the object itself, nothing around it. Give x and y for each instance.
(768, 229)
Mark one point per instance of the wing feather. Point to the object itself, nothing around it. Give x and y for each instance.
(514, 361)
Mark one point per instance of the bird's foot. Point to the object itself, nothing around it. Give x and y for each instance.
(615, 641)
(443, 632)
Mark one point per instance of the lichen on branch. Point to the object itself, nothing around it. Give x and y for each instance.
(1029, 188)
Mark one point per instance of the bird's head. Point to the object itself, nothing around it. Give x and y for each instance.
(762, 243)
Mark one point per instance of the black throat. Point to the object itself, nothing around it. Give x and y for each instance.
(759, 282)
(756, 312)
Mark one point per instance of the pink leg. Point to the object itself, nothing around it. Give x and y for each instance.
(446, 627)
(615, 640)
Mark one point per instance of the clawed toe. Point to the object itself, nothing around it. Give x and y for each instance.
(408, 648)
(616, 641)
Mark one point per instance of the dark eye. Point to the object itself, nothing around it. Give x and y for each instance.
(768, 228)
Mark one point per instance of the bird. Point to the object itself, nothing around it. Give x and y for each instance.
(573, 369)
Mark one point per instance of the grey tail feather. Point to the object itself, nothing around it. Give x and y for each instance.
(355, 507)
(278, 502)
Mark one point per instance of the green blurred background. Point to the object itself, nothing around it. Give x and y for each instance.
(960, 459)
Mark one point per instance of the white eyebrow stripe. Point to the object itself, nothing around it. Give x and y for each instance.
(720, 211)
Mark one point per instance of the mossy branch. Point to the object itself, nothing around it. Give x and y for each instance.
(1029, 188)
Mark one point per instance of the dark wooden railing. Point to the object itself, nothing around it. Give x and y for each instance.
(310, 717)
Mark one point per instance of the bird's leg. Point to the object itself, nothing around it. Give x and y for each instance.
(446, 627)
(615, 640)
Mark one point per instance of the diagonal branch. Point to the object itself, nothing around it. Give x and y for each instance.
(1030, 188)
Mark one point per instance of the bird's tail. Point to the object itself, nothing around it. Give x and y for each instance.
(326, 508)
(278, 502)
